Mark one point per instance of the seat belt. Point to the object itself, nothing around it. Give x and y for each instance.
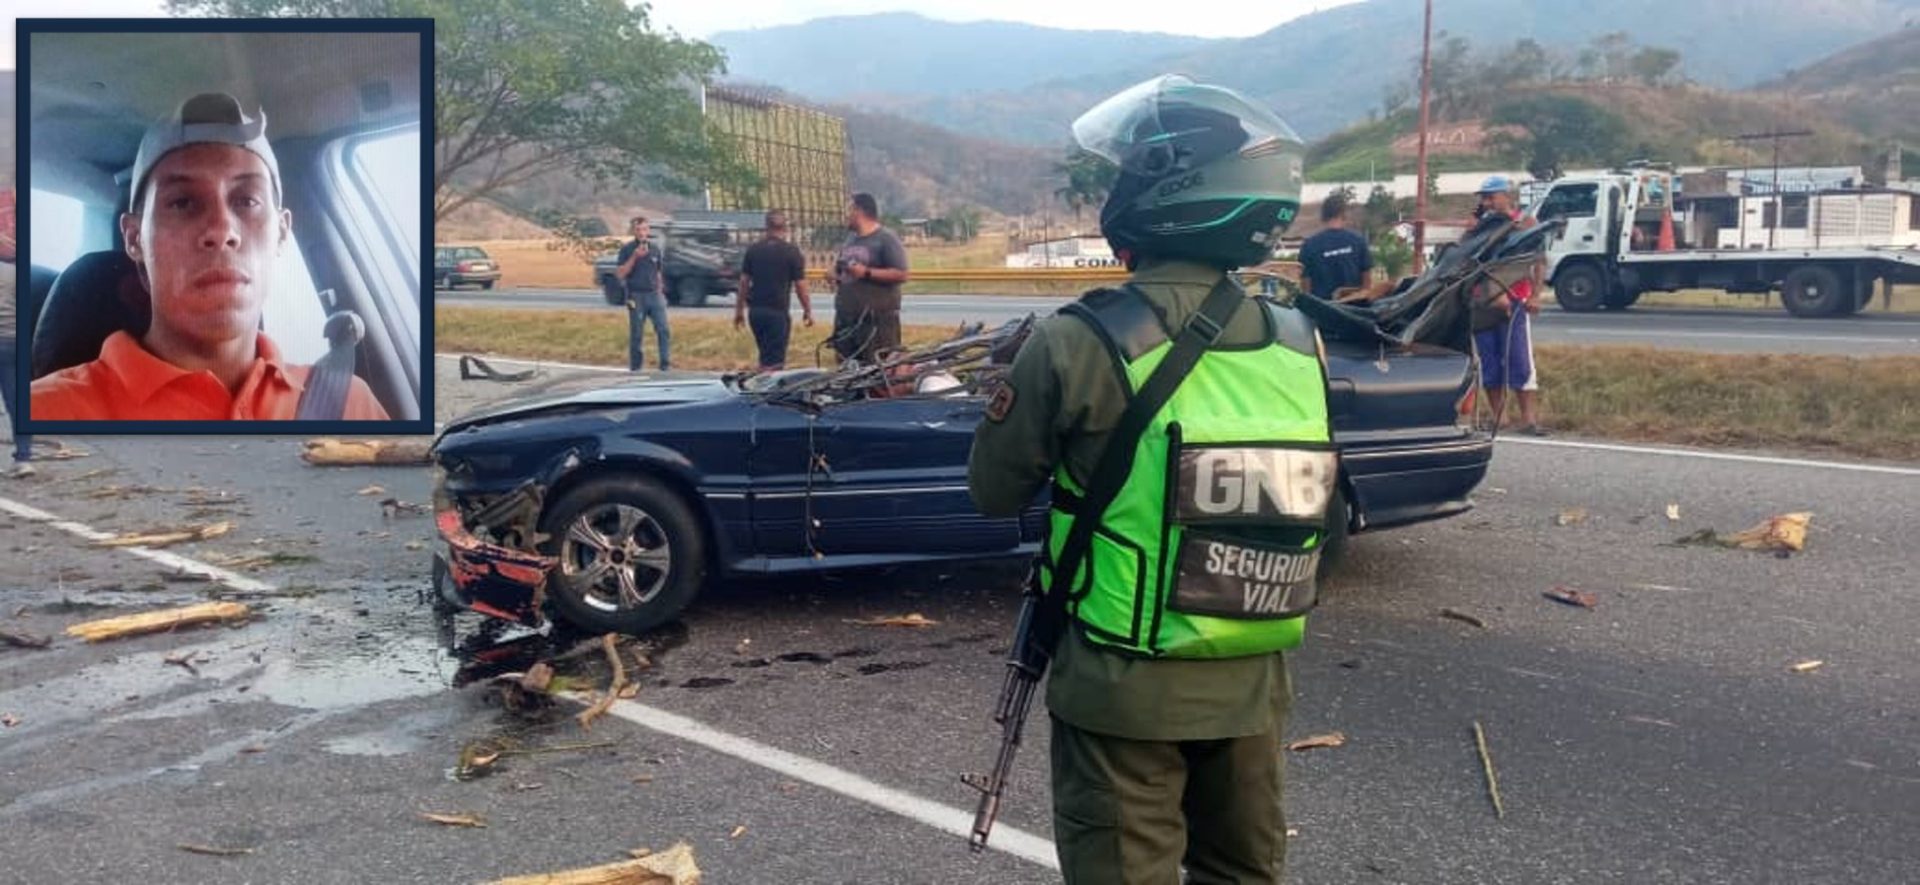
(1116, 459)
(328, 382)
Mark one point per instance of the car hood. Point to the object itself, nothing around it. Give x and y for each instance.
(595, 392)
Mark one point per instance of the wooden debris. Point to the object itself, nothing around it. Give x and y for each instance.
(392, 507)
(1786, 532)
(353, 453)
(1673, 513)
(471, 821)
(617, 685)
(212, 851)
(538, 677)
(184, 661)
(161, 621)
(9, 720)
(371, 491)
(62, 453)
(674, 866)
(170, 537)
(1571, 516)
(1486, 765)
(1319, 741)
(1569, 596)
(476, 761)
(24, 640)
(1808, 666)
(915, 619)
(1462, 617)
(738, 832)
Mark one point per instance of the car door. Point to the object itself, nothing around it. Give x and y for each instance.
(895, 474)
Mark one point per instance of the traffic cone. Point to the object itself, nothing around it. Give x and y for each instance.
(1666, 230)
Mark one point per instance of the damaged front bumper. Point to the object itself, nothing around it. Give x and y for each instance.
(495, 581)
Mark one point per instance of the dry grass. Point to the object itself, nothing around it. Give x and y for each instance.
(1863, 407)
(1906, 299)
(1866, 407)
(600, 338)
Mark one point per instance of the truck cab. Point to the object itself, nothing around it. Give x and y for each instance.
(1606, 216)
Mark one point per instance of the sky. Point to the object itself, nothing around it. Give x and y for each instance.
(702, 18)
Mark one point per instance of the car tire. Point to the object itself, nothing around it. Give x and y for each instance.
(1333, 551)
(690, 292)
(1812, 290)
(1581, 288)
(623, 536)
(612, 292)
(488, 284)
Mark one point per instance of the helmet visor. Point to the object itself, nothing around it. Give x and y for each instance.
(1117, 127)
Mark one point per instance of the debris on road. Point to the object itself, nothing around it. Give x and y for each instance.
(538, 678)
(471, 821)
(738, 832)
(364, 452)
(614, 687)
(371, 491)
(168, 537)
(161, 621)
(1486, 765)
(254, 562)
(914, 619)
(1319, 741)
(1784, 534)
(1673, 513)
(1649, 720)
(184, 661)
(1808, 666)
(8, 720)
(1462, 617)
(674, 866)
(212, 851)
(392, 507)
(476, 761)
(415, 545)
(1571, 516)
(61, 452)
(25, 640)
(1569, 596)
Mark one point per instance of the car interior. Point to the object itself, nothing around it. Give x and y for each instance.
(343, 114)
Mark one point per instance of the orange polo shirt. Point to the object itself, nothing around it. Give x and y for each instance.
(129, 384)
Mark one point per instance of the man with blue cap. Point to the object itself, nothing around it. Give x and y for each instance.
(1502, 321)
(205, 227)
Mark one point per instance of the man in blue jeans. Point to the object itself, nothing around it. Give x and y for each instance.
(646, 295)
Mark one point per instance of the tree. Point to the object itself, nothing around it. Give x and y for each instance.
(527, 87)
(1613, 51)
(1653, 64)
(1088, 178)
(1392, 254)
(1382, 212)
(1559, 130)
(963, 223)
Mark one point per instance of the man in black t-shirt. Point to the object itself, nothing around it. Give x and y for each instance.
(1335, 258)
(771, 271)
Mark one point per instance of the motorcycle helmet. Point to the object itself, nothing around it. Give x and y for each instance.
(1205, 174)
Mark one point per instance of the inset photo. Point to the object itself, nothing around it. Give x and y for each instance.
(222, 226)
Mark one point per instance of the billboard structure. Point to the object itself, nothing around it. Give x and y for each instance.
(799, 152)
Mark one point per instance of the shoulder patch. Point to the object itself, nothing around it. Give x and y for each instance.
(1001, 403)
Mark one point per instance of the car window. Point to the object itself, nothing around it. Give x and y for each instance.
(385, 205)
(59, 229)
(470, 254)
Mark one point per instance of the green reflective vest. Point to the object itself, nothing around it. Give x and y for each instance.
(1210, 549)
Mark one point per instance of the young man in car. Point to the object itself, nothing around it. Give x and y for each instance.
(771, 271)
(205, 227)
(1503, 322)
(867, 279)
(646, 295)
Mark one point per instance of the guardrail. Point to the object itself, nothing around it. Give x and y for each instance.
(1064, 275)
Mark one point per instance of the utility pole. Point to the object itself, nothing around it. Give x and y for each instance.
(1420, 176)
(1774, 135)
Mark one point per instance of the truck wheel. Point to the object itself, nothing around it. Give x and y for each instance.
(1581, 288)
(611, 291)
(1813, 291)
(690, 292)
(632, 555)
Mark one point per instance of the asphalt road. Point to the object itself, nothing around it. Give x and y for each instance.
(1724, 331)
(1661, 737)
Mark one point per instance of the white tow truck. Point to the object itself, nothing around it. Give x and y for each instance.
(1823, 253)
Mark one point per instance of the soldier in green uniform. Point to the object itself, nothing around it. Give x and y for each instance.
(1169, 691)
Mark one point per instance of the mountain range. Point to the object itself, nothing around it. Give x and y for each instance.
(1322, 71)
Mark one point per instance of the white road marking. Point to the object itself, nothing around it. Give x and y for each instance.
(957, 822)
(170, 560)
(1010, 840)
(1716, 456)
